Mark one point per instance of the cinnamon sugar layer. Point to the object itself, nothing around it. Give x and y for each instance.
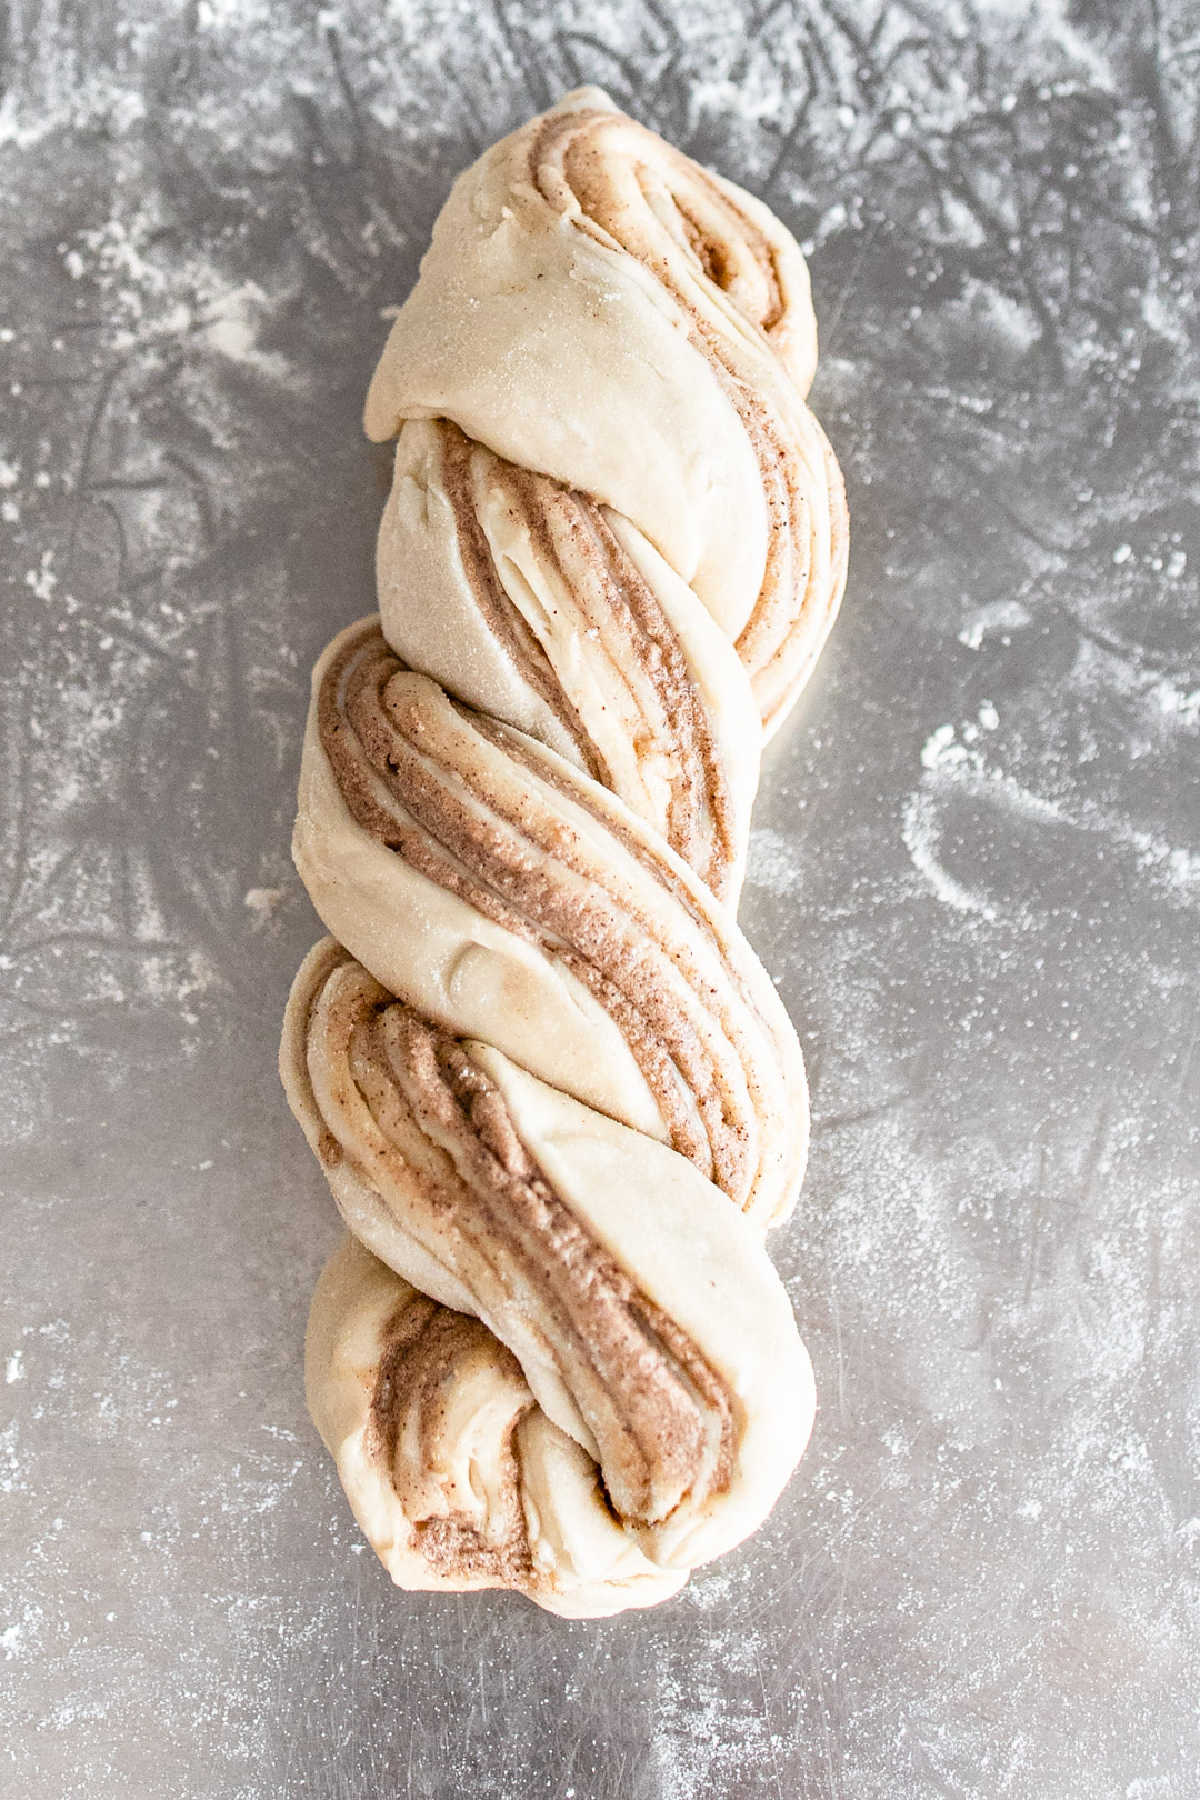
(660, 1416)
(423, 1347)
(489, 816)
(616, 628)
(690, 233)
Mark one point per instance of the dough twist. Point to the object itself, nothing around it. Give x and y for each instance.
(555, 1094)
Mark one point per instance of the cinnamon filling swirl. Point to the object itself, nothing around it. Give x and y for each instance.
(661, 1417)
(416, 774)
(621, 630)
(725, 249)
(503, 618)
(425, 1346)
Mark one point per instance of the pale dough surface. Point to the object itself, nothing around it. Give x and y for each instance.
(556, 1096)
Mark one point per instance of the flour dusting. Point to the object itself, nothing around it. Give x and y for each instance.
(974, 876)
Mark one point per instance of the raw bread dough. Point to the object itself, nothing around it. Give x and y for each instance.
(555, 1095)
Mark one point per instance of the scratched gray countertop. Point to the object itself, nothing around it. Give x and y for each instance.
(976, 877)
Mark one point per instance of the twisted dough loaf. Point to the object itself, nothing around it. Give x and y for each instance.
(555, 1095)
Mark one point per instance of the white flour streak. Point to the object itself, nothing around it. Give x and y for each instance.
(955, 768)
(1002, 617)
(11, 1468)
(233, 321)
(774, 861)
(262, 903)
(921, 831)
(1169, 699)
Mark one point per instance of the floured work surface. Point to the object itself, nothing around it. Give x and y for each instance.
(974, 872)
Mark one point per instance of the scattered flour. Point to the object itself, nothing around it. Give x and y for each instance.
(774, 863)
(953, 765)
(933, 1602)
(263, 902)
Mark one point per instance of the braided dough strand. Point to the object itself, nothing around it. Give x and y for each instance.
(554, 1093)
